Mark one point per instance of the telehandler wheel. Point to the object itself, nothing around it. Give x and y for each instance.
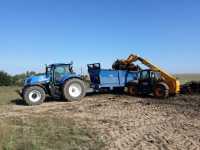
(74, 90)
(34, 95)
(132, 90)
(161, 90)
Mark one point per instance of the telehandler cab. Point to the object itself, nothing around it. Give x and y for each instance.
(148, 82)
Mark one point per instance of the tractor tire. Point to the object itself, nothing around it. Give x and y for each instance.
(34, 95)
(74, 90)
(161, 90)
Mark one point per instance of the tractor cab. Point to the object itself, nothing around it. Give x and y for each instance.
(58, 72)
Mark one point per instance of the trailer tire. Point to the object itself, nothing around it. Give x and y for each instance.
(161, 90)
(74, 90)
(34, 95)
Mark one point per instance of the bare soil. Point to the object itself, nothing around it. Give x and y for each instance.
(126, 122)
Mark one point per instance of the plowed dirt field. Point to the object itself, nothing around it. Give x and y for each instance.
(125, 122)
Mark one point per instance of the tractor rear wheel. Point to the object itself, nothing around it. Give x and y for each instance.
(34, 95)
(161, 90)
(74, 90)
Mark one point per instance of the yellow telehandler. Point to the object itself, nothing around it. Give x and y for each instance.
(153, 80)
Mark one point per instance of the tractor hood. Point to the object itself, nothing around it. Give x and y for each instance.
(36, 79)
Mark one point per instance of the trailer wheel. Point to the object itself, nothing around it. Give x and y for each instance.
(74, 90)
(161, 90)
(34, 95)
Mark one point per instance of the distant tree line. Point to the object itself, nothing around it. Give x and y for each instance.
(14, 80)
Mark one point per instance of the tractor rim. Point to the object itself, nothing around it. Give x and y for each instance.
(35, 96)
(75, 90)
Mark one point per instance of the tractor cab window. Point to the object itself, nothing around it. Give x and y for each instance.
(60, 71)
(144, 75)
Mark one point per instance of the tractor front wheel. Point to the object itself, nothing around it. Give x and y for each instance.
(34, 95)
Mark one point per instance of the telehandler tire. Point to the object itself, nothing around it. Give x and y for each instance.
(132, 90)
(74, 90)
(161, 90)
(34, 95)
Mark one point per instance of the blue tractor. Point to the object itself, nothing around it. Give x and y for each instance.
(59, 81)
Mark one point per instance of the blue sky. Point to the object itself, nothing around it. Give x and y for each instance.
(38, 32)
